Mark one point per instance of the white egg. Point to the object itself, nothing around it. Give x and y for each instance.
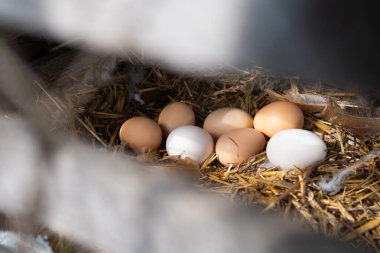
(292, 148)
(191, 142)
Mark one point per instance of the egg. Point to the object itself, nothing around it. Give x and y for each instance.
(190, 142)
(141, 134)
(175, 115)
(238, 145)
(295, 148)
(226, 119)
(278, 116)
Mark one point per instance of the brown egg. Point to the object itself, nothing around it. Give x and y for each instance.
(278, 116)
(175, 115)
(141, 134)
(224, 120)
(238, 145)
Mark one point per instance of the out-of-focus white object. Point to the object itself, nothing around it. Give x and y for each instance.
(18, 170)
(292, 148)
(190, 141)
(117, 206)
(190, 34)
(339, 45)
(19, 243)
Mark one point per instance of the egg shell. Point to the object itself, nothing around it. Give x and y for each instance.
(141, 134)
(226, 119)
(238, 145)
(190, 142)
(295, 148)
(175, 115)
(278, 116)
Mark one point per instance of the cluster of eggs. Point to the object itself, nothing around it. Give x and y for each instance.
(233, 134)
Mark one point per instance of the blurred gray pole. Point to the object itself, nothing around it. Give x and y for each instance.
(333, 41)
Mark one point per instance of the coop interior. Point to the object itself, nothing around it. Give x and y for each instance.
(89, 97)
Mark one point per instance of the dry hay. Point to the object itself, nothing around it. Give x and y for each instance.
(350, 213)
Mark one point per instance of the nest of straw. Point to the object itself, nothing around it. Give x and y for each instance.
(350, 213)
